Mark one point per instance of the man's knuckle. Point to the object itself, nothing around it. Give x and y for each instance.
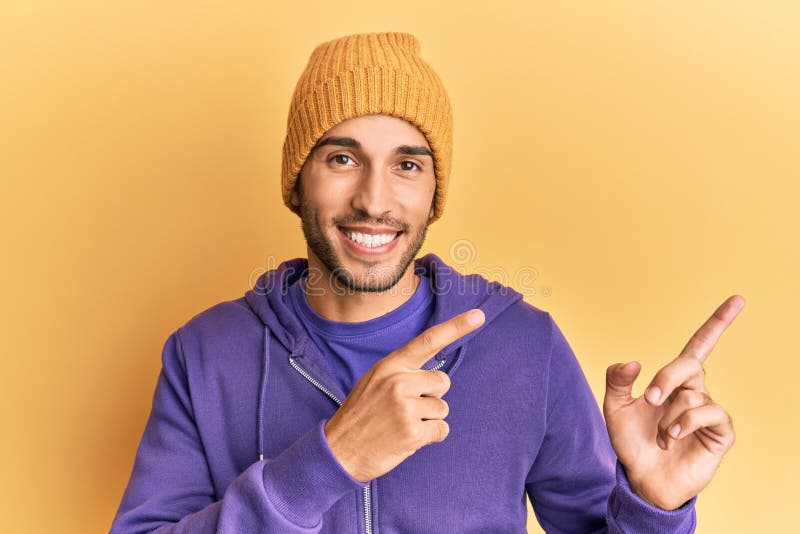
(428, 340)
(695, 366)
(443, 378)
(662, 427)
(686, 420)
(690, 398)
(385, 366)
(395, 386)
(405, 412)
(684, 397)
(411, 433)
(444, 430)
(445, 409)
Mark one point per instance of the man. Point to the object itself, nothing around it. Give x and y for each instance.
(316, 402)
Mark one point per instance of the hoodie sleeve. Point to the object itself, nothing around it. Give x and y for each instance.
(576, 483)
(170, 489)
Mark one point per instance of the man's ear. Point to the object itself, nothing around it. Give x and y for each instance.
(295, 197)
(433, 202)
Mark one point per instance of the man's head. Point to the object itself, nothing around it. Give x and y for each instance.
(363, 74)
(368, 144)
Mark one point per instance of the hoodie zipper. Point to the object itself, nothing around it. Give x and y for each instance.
(366, 494)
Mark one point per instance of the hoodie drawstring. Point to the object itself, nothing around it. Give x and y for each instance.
(262, 395)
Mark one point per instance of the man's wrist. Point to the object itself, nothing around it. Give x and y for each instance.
(340, 454)
(636, 484)
(630, 512)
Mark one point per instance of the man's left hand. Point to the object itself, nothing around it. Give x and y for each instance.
(671, 439)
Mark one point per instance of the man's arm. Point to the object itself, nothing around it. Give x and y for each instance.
(170, 489)
(576, 483)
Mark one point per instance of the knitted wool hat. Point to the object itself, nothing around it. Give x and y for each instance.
(364, 74)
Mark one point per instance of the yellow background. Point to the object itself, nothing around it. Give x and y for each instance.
(641, 156)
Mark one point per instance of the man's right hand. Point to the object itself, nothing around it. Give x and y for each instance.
(396, 407)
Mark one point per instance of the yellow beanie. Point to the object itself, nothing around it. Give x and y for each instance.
(365, 74)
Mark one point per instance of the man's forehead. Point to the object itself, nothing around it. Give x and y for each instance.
(378, 122)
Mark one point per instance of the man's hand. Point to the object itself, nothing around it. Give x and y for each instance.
(396, 407)
(672, 439)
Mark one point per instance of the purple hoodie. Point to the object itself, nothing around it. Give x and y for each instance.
(235, 443)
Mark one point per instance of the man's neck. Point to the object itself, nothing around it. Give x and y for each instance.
(331, 300)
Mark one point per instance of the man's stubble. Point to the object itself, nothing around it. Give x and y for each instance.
(376, 278)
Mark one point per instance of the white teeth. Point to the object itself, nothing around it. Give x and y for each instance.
(368, 240)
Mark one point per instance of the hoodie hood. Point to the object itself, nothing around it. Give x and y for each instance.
(454, 293)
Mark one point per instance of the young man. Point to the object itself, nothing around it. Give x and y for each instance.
(363, 390)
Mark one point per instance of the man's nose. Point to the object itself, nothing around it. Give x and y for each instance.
(374, 194)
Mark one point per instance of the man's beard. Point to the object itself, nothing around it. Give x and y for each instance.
(376, 278)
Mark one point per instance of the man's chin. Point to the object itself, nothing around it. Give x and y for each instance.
(377, 278)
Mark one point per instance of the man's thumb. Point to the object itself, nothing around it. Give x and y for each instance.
(619, 383)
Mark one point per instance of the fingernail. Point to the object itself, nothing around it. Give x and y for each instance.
(661, 442)
(652, 394)
(475, 317)
(675, 430)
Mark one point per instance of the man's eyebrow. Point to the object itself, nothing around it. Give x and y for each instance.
(341, 141)
(414, 150)
(352, 143)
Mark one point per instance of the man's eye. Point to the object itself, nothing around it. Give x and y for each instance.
(338, 158)
(406, 168)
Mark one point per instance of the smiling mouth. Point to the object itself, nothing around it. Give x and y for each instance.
(371, 241)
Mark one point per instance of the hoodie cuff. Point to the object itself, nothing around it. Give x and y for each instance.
(306, 479)
(630, 513)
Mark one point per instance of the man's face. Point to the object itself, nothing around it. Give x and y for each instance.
(371, 175)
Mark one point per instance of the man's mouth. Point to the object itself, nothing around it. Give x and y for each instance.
(368, 237)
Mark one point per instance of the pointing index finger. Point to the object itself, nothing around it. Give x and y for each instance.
(706, 337)
(423, 347)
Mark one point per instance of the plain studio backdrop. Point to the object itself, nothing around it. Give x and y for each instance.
(627, 165)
